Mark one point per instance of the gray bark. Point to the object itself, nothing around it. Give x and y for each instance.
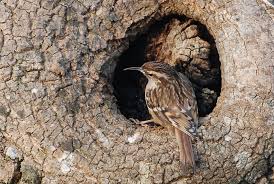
(58, 114)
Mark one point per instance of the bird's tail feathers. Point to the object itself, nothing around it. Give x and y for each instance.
(186, 152)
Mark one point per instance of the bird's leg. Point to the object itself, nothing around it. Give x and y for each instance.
(141, 122)
(145, 122)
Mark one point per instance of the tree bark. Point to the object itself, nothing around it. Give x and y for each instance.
(58, 114)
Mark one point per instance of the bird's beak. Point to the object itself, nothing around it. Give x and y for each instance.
(134, 68)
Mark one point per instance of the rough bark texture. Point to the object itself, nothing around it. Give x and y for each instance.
(59, 117)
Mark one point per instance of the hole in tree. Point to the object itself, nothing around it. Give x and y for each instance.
(183, 43)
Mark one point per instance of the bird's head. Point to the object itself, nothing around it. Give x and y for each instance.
(156, 71)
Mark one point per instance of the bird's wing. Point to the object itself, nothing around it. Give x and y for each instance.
(176, 107)
(176, 118)
(181, 119)
(182, 112)
(178, 115)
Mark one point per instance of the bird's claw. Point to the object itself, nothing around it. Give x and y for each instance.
(134, 120)
(137, 122)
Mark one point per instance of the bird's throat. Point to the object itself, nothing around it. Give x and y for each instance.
(152, 84)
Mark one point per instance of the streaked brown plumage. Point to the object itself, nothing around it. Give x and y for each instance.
(172, 103)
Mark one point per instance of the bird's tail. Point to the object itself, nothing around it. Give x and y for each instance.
(186, 152)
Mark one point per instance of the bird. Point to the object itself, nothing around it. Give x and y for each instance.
(171, 102)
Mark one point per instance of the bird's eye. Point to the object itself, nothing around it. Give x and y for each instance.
(150, 74)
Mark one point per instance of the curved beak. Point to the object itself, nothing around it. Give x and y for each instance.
(134, 68)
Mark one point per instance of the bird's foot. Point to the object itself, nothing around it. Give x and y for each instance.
(142, 123)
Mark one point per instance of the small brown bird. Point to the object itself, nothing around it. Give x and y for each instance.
(171, 102)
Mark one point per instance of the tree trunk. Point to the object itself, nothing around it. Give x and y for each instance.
(59, 118)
